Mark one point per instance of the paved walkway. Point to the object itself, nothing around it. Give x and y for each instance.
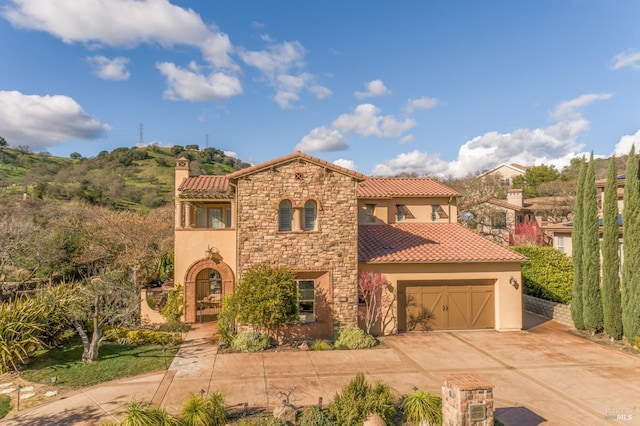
(544, 375)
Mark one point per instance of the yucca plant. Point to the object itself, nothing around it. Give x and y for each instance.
(218, 412)
(21, 331)
(145, 414)
(200, 411)
(359, 399)
(422, 408)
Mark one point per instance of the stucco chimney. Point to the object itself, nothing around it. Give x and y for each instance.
(182, 172)
(515, 197)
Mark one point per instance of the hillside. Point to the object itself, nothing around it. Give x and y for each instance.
(125, 178)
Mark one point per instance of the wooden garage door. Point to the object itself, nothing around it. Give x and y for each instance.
(446, 305)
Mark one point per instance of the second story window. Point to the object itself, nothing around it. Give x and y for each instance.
(499, 220)
(399, 212)
(285, 215)
(560, 244)
(370, 212)
(435, 212)
(310, 215)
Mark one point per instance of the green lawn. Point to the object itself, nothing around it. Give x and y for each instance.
(115, 361)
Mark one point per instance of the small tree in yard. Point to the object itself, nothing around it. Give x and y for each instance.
(105, 300)
(372, 287)
(266, 298)
(578, 248)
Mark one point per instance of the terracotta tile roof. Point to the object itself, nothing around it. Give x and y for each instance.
(205, 186)
(403, 187)
(428, 243)
(291, 157)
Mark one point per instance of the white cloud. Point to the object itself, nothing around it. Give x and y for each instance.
(44, 121)
(554, 145)
(123, 23)
(276, 59)
(284, 99)
(277, 64)
(366, 121)
(192, 86)
(322, 139)
(347, 164)
(630, 58)
(110, 68)
(374, 88)
(405, 139)
(623, 147)
(321, 92)
(231, 154)
(419, 104)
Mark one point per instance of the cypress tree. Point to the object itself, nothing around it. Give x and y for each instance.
(611, 298)
(591, 298)
(631, 264)
(576, 237)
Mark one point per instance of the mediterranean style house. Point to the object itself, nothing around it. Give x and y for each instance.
(561, 232)
(328, 224)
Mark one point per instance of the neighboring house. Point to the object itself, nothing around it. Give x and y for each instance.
(506, 172)
(500, 219)
(560, 233)
(328, 223)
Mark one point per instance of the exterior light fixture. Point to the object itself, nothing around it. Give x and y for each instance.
(211, 252)
(514, 283)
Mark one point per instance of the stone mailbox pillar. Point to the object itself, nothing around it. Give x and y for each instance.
(467, 400)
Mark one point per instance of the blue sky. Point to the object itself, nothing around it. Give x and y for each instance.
(444, 88)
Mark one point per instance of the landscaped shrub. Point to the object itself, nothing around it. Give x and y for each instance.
(420, 406)
(354, 338)
(314, 416)
(125, 336)
(227, 320)
(144, 414)
(198, 410)
(22, 325)
(174, 307)
(548, 274)
(320, 345)
(248, 341)
(359, 399)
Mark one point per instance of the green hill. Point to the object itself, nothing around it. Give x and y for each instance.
(125, 178)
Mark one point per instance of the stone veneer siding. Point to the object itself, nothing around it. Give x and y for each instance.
(332, 248)
(555, 311)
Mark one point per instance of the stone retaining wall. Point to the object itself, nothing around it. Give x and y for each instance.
(555, 311)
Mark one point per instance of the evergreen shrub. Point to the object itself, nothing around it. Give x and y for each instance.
(548, 274)
(354, 338)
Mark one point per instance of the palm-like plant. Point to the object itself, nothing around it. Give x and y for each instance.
(21, 329)
(422, 408)
(144, 414)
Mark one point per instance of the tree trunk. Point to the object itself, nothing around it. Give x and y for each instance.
(85, 340)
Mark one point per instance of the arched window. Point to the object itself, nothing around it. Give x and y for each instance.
(285, 216)
(310, 215)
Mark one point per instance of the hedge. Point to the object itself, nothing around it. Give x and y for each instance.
(548, 275)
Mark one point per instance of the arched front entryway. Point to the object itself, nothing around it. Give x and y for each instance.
(206, 283)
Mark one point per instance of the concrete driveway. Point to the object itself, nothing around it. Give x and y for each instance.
(543, 375)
